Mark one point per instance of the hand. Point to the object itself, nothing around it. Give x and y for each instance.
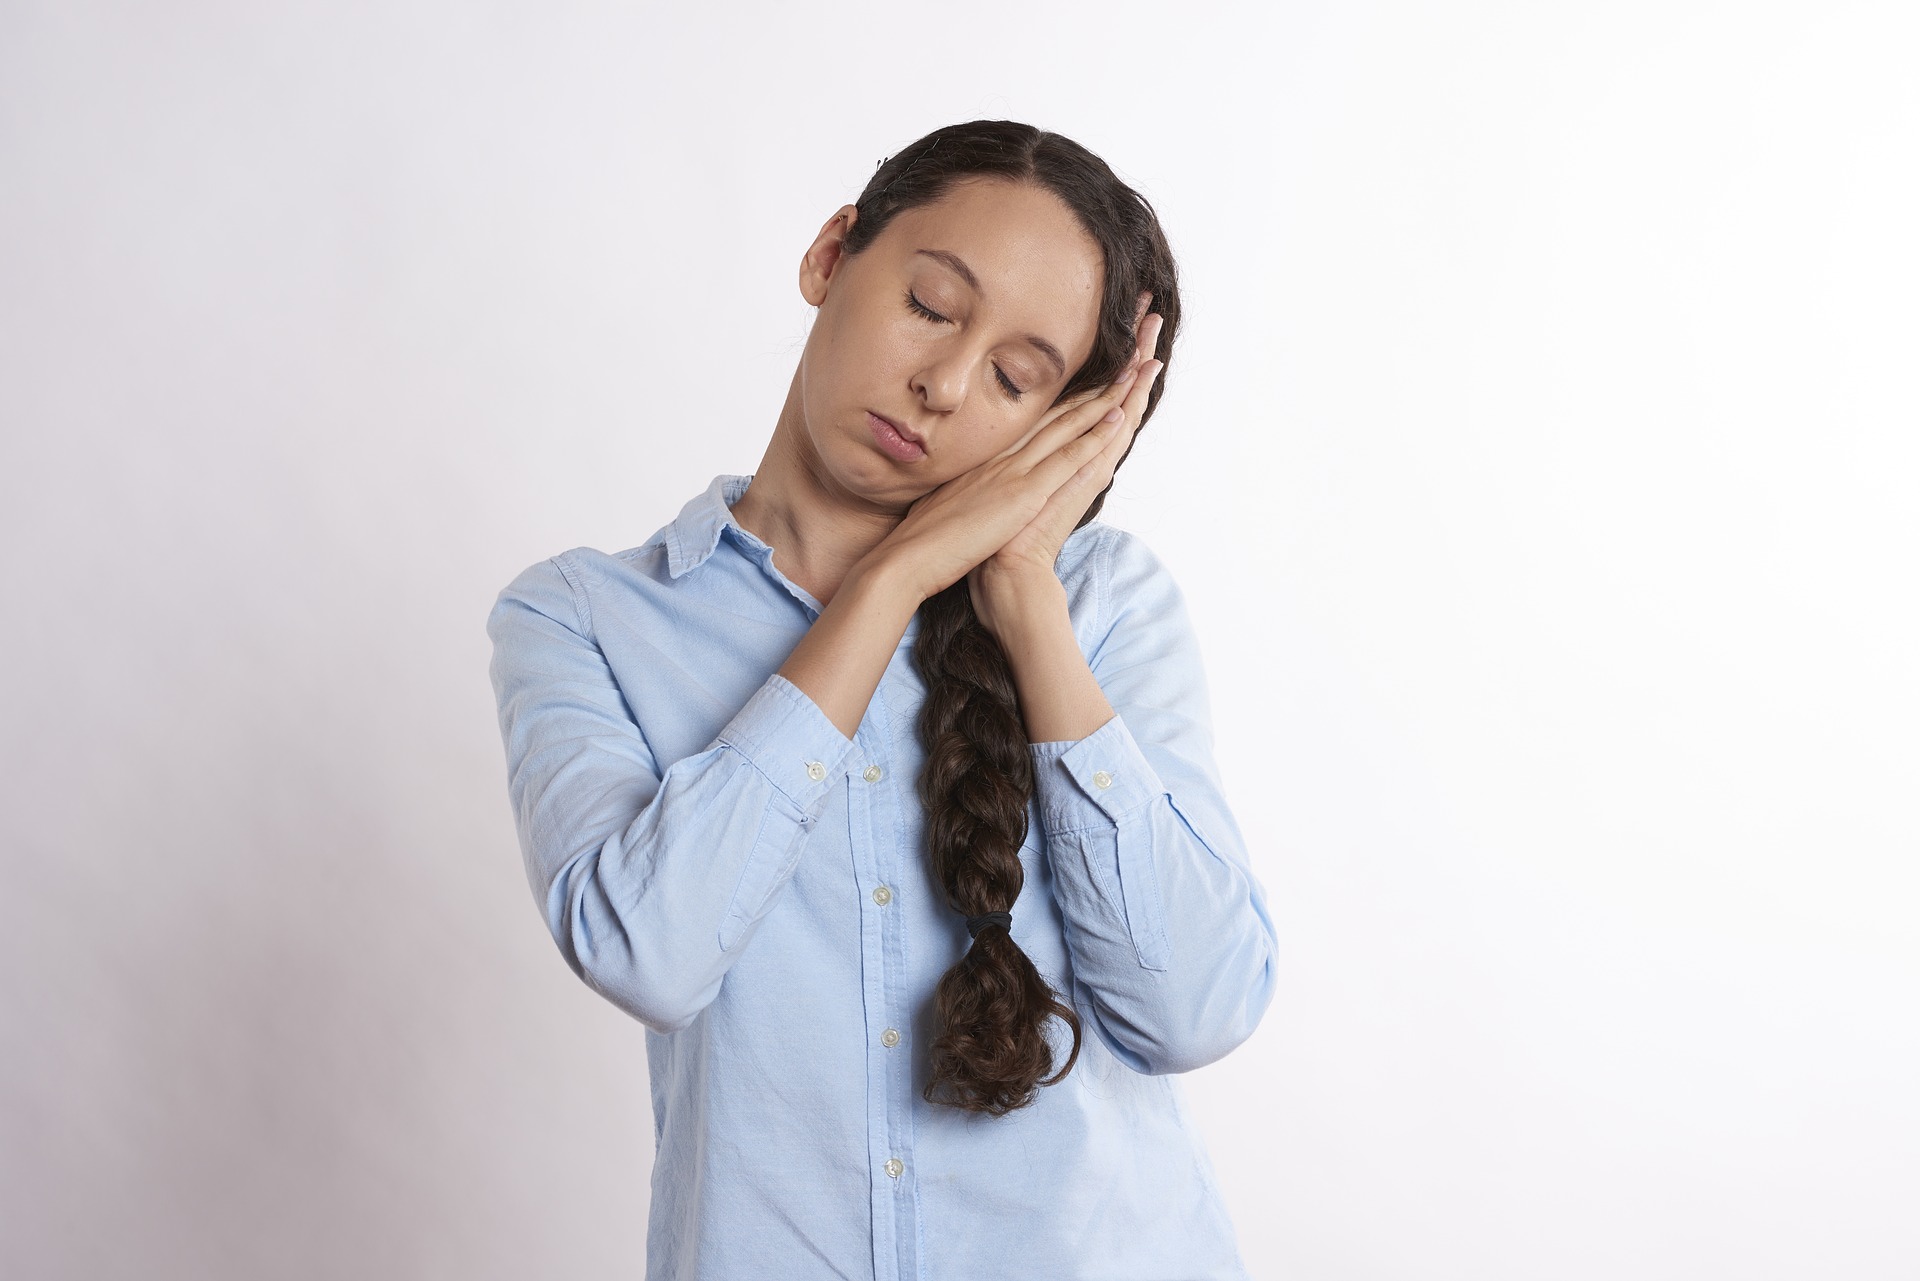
(1032, 551)
(1059, 466)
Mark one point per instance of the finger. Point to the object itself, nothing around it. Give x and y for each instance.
(1077, 419)
(1147, 326)
(1061, 465)
(1053, 415)
(1132, 410)
(1114, 431)
(1097, 472)
(1082, 412)
(1148, 334)
(1135, 404)
(1071, 406)
(1067, 502)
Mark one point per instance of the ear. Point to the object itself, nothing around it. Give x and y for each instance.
(825, 254)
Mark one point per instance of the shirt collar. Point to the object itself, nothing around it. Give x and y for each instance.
(696, 531)
(693, 535)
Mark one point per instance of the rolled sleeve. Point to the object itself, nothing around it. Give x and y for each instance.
(652, 875)
(1098, 779)
(788, 740)
(787, 737)
(1171, 941)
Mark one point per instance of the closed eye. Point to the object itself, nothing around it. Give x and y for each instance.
(915, 303)
(1006, 383)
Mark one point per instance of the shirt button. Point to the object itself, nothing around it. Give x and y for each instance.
(890, 1037)
(1102, 779)
(873, 774)
(883, 896)
(894, 1167)
(816, 771)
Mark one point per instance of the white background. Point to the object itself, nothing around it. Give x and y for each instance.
(1550, 368)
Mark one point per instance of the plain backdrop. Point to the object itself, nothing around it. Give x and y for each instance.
(1539, 462)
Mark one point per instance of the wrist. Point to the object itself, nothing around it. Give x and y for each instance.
(1021, 609)
(1059, 697)
(1018, 581)
(884, 579)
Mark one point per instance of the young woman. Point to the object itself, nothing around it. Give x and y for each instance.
(879, 783)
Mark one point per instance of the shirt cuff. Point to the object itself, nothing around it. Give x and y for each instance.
(786, 736)
(1093, 781)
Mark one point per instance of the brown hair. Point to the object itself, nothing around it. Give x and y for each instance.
(991, 1053)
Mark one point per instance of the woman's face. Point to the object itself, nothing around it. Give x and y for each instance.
(959, 324)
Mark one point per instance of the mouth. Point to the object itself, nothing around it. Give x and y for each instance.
(898, 443)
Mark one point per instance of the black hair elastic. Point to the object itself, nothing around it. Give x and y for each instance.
(977, 923)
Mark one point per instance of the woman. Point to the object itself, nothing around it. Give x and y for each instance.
(879, 784)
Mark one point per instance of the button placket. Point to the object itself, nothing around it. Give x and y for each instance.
(874, 809)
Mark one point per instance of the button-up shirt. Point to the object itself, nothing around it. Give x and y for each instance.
(713, 856)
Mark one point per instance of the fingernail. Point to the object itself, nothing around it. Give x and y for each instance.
(1126, 376)
(1113, 416)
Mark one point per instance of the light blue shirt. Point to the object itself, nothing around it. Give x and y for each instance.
(717, 859)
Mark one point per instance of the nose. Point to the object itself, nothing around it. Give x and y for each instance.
(941, 383)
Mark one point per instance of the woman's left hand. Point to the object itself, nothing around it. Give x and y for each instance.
(1030, 554)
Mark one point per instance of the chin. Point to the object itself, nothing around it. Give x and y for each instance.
(867, 477)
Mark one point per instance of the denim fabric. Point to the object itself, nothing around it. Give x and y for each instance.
(716, 858)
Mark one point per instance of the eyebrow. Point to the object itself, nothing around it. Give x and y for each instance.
(960, 268)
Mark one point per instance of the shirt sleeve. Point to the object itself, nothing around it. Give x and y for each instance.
(652, 878)
(1167, 928)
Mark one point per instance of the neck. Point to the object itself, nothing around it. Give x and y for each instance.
(818, 530)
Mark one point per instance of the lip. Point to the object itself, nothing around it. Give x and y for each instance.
(896, 441)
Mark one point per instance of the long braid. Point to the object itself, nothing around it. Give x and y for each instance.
(993, 1004)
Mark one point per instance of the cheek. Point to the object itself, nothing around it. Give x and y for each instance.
(832, 363)
(987, 441)
(854, 350)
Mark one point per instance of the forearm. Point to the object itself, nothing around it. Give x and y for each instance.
(1059, 698)
(839, 662)
(653, 875)
(1167, 929)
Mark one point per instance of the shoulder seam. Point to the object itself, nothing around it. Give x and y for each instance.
(580, 606)
(1103, 581)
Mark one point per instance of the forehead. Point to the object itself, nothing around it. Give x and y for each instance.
(1037, 267)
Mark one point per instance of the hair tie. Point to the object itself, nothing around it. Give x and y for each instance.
(977, 923)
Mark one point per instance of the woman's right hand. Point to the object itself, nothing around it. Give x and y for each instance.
(962, 522)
